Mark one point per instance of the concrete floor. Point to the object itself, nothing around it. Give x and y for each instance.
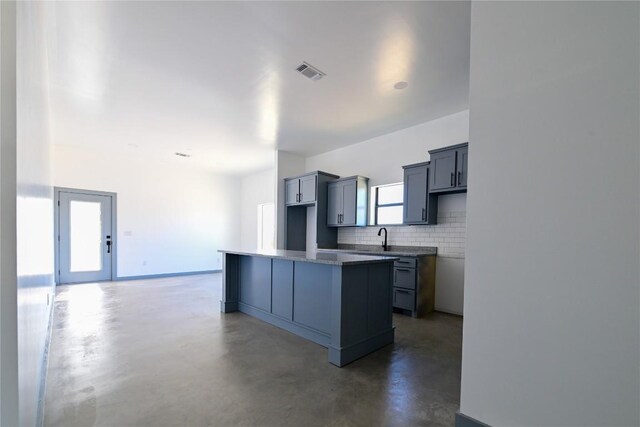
(159, 352)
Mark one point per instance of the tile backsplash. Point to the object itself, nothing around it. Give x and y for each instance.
(449, 235)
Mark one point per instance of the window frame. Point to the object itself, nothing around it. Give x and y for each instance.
(377, 205)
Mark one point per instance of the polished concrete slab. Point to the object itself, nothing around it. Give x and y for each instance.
(159, 353)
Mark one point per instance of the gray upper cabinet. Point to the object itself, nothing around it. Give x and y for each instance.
(292, 190)
(308, 188)
(301, 190)
(419, 206)
(334, 204)
(306, 212)
(463, 156)
(347, 202)
(448, 169)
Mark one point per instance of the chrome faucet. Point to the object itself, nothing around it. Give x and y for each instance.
(384, 244)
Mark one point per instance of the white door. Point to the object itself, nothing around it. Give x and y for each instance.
(266, 226)
(85, 244)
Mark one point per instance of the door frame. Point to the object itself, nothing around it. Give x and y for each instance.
(56, 226)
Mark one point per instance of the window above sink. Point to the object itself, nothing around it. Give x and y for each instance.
(386, 204)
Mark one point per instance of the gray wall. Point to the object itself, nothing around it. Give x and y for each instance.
(552, 312)
(8, 287)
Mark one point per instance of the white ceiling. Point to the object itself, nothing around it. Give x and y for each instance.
(218, 79)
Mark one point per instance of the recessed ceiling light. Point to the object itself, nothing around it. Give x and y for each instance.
(400, 85)
(182, 154)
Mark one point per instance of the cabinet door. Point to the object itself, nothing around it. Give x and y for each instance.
(443, 170)
(415, 194)
(334, 203)
(291, 189)
(349, 202)
(308, 189)
(463, 156)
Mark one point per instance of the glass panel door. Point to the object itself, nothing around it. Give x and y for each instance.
(85, 236)
(85, 243)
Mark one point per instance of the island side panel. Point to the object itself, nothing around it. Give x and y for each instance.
(380, 299)
(361, 311)
(229, 301)
(282, 289)
(255, 282)
(312, 295)
(266, 292)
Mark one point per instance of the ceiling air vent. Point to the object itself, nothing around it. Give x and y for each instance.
(182, 154)
(310, 72)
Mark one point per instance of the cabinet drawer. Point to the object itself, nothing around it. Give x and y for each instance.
(406, 262)
(404, 277)
(403, 298)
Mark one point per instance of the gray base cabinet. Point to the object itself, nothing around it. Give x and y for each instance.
(420, 207)
(449, 169)
(414, 284)
(347, 202)
(346, 308)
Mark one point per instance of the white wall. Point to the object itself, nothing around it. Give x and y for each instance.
(552, 308)
(35, 256)
(8, 276)
(381, 160)
(171, 218)
(256, 189)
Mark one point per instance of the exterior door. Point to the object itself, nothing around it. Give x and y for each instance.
(85, 243)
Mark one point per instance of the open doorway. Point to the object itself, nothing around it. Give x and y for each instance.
(266, 226)
(85, 227)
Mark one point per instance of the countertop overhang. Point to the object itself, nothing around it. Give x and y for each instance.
(318, 257)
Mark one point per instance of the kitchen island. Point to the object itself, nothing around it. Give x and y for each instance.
(340, 301)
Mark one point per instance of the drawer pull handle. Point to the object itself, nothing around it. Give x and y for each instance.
(403, 269)
(402, 290)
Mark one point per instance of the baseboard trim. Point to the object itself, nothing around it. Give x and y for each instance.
(160, 276)
(352, 352)
(463, 420)
(45, 362)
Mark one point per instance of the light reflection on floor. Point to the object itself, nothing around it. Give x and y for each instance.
(158, 352)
